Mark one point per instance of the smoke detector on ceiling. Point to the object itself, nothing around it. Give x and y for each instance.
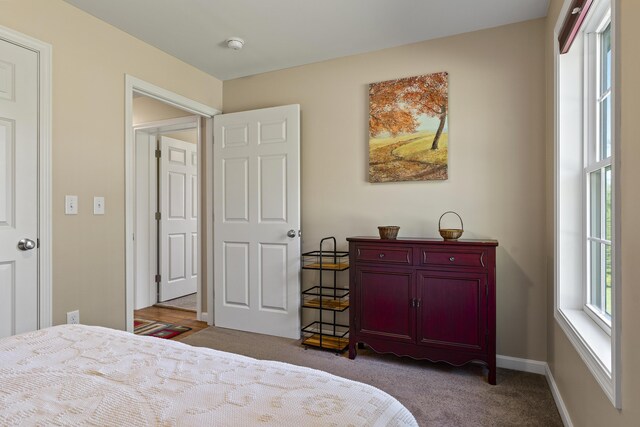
(235, 43)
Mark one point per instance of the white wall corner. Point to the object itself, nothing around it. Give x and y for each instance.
(524, 365)
(204, 317)
(562, 409)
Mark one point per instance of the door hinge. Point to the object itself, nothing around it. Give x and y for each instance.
(158, 216)
(158, 154)
(158, 277)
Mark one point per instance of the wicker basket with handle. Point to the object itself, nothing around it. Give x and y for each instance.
(450, 233)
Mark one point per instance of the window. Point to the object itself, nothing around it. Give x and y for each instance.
(598, 208)
(587, 300)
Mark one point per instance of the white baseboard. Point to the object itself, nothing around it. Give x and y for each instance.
(204, 317)
(537, 367)
(564, 413)
(518, 364)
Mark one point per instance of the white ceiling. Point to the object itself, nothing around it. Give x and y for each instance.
(285, 33)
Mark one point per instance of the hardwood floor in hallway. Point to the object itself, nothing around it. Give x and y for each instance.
(169, 315)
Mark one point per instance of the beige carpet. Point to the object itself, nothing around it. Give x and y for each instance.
(436, 393)
(187, 302)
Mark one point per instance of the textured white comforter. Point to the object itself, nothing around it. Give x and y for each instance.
(86, 375)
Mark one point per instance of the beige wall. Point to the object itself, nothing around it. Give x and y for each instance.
(586, 402)
(550, 39)
(147, 110)
(497, 156)
(90, 60)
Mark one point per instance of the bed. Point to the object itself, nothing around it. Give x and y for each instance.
(88, 375)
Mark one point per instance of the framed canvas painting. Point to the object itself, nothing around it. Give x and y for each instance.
(408, 129)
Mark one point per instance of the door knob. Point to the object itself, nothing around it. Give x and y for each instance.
(26, 244)
(291, 233)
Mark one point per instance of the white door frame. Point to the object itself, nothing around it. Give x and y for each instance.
(158, 128)
(133, 84)
(43, 50)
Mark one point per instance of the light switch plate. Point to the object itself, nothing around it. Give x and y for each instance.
(71, 205)
(98, 205)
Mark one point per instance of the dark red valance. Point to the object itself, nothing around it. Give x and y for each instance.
(572, 23)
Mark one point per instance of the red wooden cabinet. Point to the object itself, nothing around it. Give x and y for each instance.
(424, 298)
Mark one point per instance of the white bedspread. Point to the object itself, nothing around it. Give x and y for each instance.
(86, 375)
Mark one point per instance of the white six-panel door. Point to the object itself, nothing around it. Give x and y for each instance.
(256, 204)
(179, 221)
(18, 189)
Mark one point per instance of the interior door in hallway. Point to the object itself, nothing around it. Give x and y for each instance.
(18, 189)
(256, 220)
(179, 218)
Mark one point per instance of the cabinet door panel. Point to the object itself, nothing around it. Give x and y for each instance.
(384, 303)
(452, 310)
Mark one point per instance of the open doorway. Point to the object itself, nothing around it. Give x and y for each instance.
(165, 206)
(167, 299)
(167, 254)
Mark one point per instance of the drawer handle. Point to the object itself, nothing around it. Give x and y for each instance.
(381, 256)
(452, 259)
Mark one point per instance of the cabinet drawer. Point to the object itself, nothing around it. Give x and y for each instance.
(467, 258)
(385, 254)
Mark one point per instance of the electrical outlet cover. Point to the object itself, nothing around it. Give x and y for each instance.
(73, 317)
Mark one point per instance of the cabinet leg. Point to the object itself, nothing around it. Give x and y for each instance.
(492, 373)
(352, 351)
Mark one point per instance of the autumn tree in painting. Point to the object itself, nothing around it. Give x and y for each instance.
(407, 136)
(395, 105)
(429, 95)
(384, 114)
